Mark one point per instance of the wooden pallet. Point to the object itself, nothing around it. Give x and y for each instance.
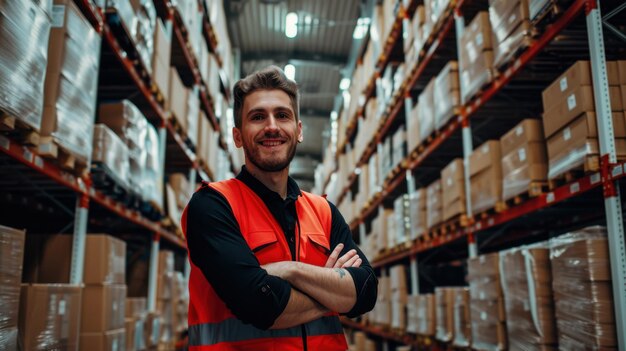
(590, 164)
(18, 130)
(549, 12)
(51, 149)
(535, 188)
(486, 213)
(156, 92)
(106, 181)
(483, 87)
(510, 59)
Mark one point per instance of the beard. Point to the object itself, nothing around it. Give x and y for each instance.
(274, 163)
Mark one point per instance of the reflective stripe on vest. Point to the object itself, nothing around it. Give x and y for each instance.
(233, 330)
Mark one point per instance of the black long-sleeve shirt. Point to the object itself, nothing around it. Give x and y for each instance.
(217, 247)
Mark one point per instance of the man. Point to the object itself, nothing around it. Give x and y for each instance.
(271, 266)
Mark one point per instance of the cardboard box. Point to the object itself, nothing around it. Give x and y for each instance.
(50, 310)
(445, 314)
(412, 126)
(418, 213)
(476, 75)
(476, 38)
(462, 318)
(488, 332)
(111, 340)
(486, 176)
(103, 308)
(453, 189)
(152, 329)
(621, 67)
(527, 278)
(505, 51)
(587, 257)
(505, 16)
(579, 74)
(11, 258)
(426, 113)
(161, 59)
(578, 102)
(447, 97)
(483, 274)
(426, 314)
(178, 98)
(585, 301)
(398, 314)
(527, 131)
(105, 260)
(434, 204)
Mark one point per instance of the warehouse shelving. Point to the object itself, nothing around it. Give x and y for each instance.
(401, 179)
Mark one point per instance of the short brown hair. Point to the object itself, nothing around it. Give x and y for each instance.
(268, 78)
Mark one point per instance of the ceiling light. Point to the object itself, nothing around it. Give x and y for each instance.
(290, 71)
(291, 25)
(344, 84)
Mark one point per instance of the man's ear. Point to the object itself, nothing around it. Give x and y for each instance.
(237, 137)
(300, 135)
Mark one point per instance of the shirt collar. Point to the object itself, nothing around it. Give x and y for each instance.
(293, 190)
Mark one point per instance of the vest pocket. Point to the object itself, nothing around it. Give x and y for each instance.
(318, 250)
(264, 245)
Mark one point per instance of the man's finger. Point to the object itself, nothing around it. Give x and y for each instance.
(330, 263)
(343, 259)
(350, 262)
(357, 264)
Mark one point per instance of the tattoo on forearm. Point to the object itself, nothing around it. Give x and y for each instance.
(341, 272)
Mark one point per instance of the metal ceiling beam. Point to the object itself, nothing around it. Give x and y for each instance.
(297, 58)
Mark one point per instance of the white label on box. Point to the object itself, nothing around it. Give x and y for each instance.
(38, 162)
(567, 133)
(114, 346)
(449, 181)
(114, 306)
(481, 295)
(58, 15)
(519, 130)
(28, 156)
(618, 170)
(512, 18)
(479, 39)
(571, 102)
(563, 83)
(62, 307)
(574, 188)
(485, 149)
(521, 153)
(4, 142)
(483, 315)
(550, 198)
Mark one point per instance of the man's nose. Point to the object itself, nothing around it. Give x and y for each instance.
(271, 124)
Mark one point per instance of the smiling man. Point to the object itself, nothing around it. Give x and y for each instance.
(272, 266)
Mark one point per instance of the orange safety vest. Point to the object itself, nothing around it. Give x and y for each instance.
(213, 327)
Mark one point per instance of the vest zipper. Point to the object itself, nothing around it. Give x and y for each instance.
(297, 258)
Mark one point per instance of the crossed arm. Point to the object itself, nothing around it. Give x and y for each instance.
(316, 290)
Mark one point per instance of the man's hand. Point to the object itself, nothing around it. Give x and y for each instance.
(350, 259)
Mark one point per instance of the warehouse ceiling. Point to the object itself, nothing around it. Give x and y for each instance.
(319, 52)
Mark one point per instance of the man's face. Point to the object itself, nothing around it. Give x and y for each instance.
(269, 131)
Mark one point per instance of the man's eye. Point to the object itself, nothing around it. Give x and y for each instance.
(257, 117)
(283, 115)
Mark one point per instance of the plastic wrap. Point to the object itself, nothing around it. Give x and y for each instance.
(411, 112)
(462, 320)
(193, 110)
(112, 152)
(426, 314)
(453, 189)
(522, 166)
(402, 232)
(486, 176)
(437, 8)
(51, 317)
(426, 111)
(536, 6)
(11, 258)
(24, 33)
(447, 96)
(476, 56)
(126, 13)
(582, 289)
(527, 282)
(445, 314)
(509, 46)
(146, 18)
(565, 160)
(136, 307)
(152, 183)
(434, 204)
(418, 213)
(71, 82)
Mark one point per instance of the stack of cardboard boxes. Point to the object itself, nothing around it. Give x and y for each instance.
(70, 85)
(511, 28)
(583, 293)
(524, 159)
(418, 213)
(399, 296)
(462, 319)
(434, 204)
(487, 303)
(445, 298)
(165, 296)
(476, 56)
(111, 154)
(426, 112)
(426, 314)
(144, 32)
(412, 111)
(412, 36)
(24, 59)
(453, 190)
(527, 282)
(401, 218)
(570, 123)
(136, 310)
(381, 314)
(178, 191)
(11, 257)
(486, 176)
(447, 96)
